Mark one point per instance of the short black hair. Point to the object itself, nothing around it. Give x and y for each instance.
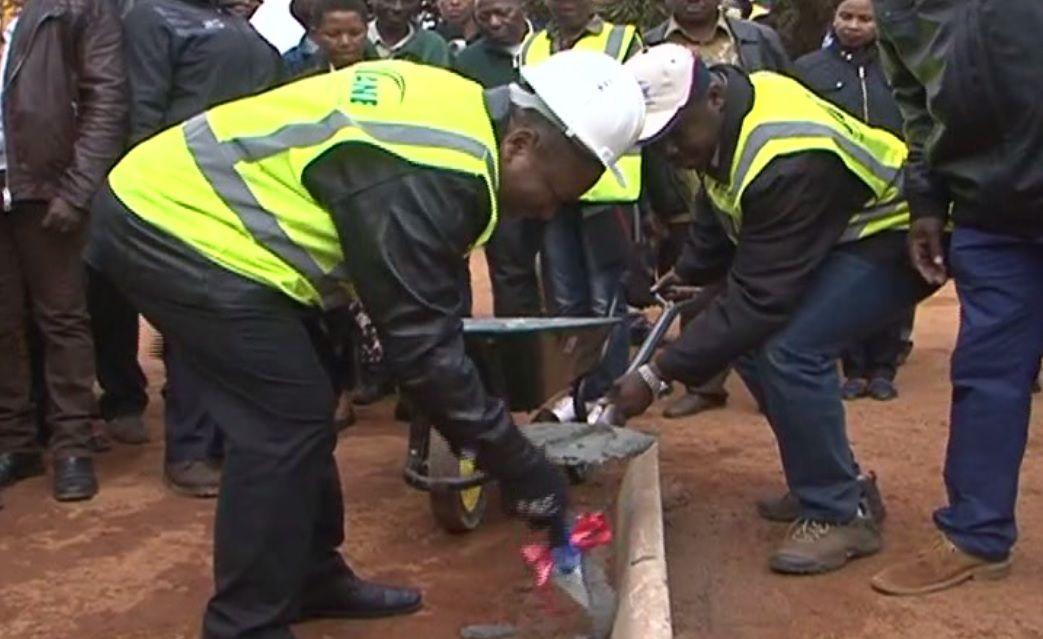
(321, 7)
(301, 12)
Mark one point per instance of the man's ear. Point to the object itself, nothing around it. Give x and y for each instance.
(519, 142)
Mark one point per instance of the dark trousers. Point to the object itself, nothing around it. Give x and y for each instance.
(114, 326)
(279, 512)
(794, 375)
(511, 255)
(877, 356)
(585, 253)
(996, 358)
(48, 266)
(192, 433)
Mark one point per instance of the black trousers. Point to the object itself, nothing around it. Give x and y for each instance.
(877, 356)
(280, 512)
(114, 325)
(511, 255)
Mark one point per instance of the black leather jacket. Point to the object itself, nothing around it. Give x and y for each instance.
(968, 76)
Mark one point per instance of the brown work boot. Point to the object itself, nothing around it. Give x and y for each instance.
(193, 478)
(787, 507)
(941, 566)
(813, 547)
(690, 404)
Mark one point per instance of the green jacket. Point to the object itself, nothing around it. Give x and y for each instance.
(426, 47)
(487, 64)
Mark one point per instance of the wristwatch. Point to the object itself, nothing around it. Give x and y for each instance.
(653, 381)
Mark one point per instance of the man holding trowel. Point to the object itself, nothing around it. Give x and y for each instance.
(801, 210)
(235, 230)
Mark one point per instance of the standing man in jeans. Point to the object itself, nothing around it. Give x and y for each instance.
(586, 245)
(64, 117)
(968, 77)
(183, 57)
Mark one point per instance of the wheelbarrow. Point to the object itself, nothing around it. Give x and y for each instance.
(525, 362)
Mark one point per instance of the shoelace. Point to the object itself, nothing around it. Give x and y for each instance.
(809, 530)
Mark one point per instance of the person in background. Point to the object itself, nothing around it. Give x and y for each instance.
(183, 57)
(62, 126)
(340, 33)
(703, 27)
(847, 72)
(968, 77)
(457, 24)
(587, 245)
(301, 59)
(395, 35)
(511, 251)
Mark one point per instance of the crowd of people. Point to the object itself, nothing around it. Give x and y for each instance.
(748, 191)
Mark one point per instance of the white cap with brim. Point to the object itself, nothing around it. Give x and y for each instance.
(666, 74)
(592, 98)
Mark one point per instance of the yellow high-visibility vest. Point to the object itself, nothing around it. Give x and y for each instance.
(787, 118)
(228, 182)
(614, 40)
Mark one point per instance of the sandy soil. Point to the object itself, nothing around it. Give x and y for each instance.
(135, 561)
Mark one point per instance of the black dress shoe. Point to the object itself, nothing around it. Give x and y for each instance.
(74, 479)
(354, 598)
(18, 466)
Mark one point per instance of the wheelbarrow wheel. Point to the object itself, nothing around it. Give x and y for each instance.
(456, 511)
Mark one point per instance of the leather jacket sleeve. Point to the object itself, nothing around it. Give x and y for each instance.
(101, 105)
(405, 231)
(925, 190)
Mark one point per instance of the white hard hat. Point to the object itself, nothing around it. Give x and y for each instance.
(597, 100)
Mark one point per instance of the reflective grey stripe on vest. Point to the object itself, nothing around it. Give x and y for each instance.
(614, 46)
(217, 159)
(765, 133)
(862, 219)
(523, 57)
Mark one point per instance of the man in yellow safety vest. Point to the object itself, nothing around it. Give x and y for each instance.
(802, 211)
(235, 230)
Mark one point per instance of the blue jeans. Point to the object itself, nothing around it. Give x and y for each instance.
(997, 356)
(794, 375)
(585, 249)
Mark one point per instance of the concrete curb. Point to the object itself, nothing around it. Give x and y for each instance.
(640, 554)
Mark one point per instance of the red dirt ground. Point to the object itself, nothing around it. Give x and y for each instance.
(134, 563)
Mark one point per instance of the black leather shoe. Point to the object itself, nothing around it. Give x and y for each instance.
(74, 479)
(354, 598)
(15, 467)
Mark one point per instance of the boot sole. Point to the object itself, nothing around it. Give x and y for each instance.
(988, 572)
(362, 614)
(198, 493)
(81, 495)
(800, 566)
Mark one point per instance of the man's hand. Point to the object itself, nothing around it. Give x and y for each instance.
(926, 249)
(62, 217)
(631, 395)
(539, 495)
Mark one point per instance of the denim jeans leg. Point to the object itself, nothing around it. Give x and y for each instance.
(605, 250)
(993, 365)
(796, 369)
(564, 265)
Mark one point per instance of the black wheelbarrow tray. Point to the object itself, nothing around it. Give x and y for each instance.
(526, 362)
